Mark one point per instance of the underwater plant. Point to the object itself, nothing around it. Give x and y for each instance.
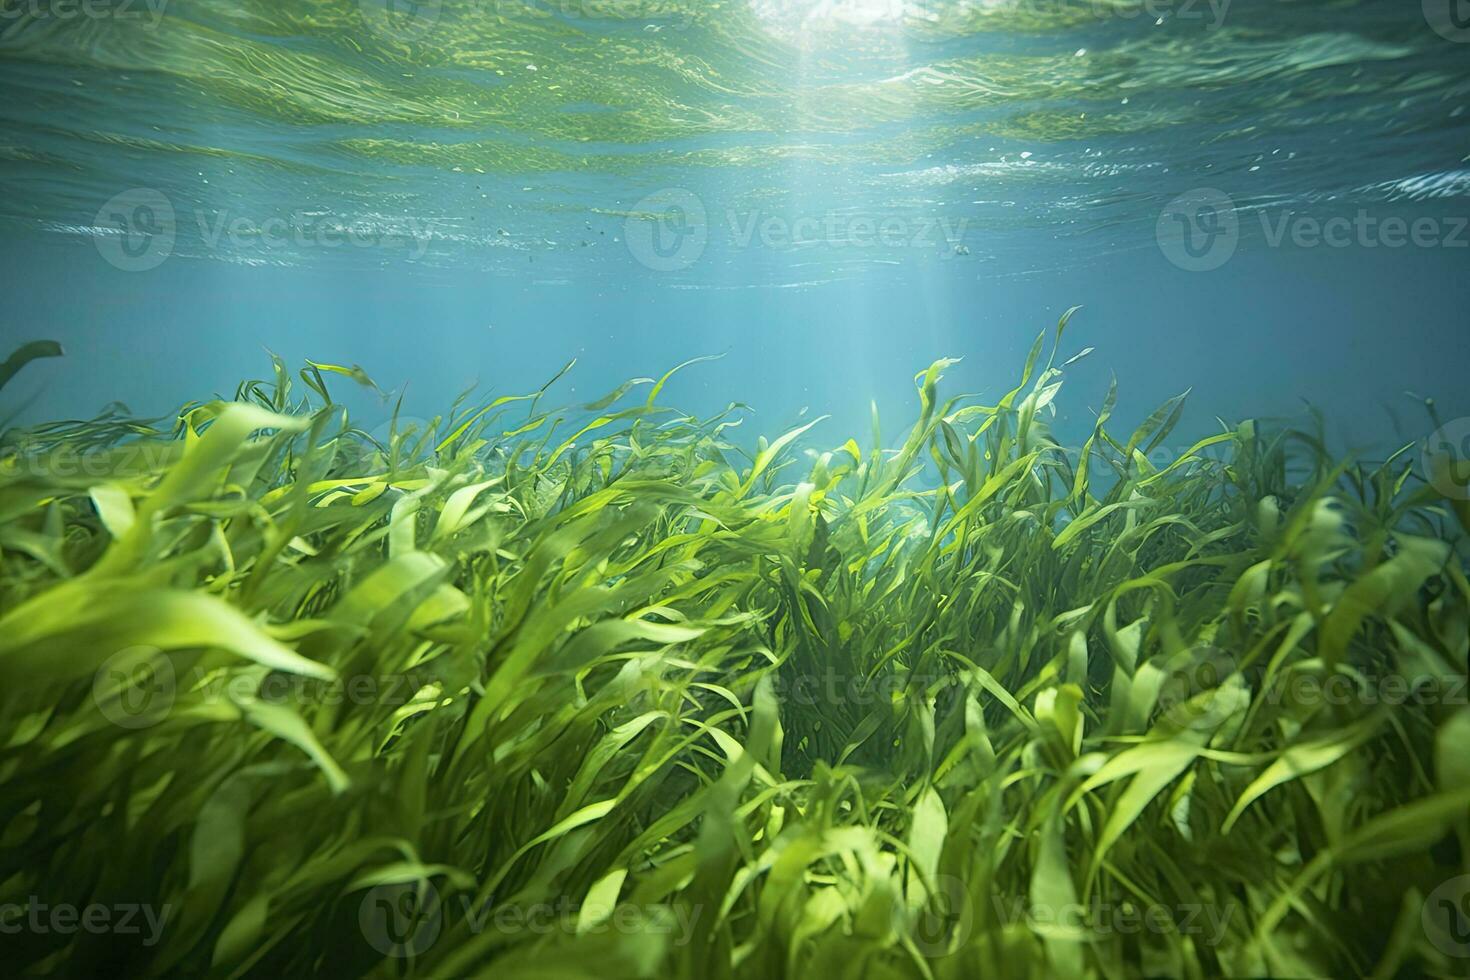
(597, 693)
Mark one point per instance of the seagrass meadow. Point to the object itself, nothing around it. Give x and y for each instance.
(606, 692)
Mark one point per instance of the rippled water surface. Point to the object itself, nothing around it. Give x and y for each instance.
(858, 184)
(501, 133)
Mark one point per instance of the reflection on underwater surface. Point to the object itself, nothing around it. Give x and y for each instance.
(492, 135)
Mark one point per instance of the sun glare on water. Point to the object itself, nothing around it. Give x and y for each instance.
(809, 17)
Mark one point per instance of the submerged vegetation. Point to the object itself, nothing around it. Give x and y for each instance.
(596, 693)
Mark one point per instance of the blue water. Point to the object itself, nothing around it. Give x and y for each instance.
(831, 195)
